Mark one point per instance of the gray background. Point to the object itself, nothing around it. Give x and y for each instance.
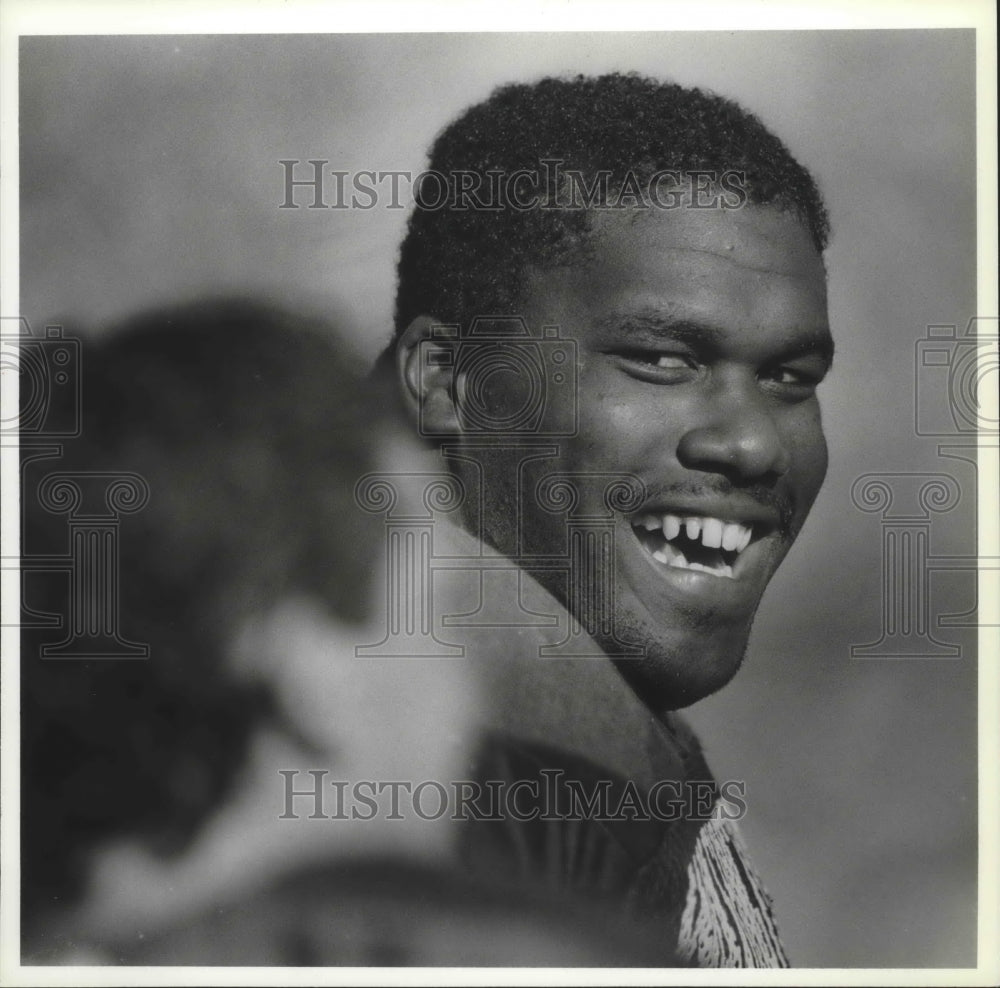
(149, 173)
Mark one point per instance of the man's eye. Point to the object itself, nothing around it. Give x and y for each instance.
(659, 367)
(785, 375)
(793, 382)
(672, 361)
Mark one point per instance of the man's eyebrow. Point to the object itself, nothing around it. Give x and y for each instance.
(657, 326)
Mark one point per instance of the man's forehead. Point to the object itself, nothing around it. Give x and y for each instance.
(751, 270)
(763, 238)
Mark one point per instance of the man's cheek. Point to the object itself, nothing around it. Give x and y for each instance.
(807, 478)
(612, 428)
(811, 453)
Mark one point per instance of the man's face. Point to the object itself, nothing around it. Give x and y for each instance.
(701, 337)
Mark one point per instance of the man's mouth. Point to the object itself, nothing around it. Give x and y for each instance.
(693, 542)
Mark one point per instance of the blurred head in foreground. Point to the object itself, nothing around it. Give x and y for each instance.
(152, 794)
(236, 416)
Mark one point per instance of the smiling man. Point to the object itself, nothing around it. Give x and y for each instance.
(673, 248)
(701, 338)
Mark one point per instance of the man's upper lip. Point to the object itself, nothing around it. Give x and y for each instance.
(725, 509)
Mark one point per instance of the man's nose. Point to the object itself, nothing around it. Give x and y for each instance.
(736, 435)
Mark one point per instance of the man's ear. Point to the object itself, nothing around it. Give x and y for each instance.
(425, 374)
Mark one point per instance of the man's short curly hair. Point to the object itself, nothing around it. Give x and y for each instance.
(458, 263)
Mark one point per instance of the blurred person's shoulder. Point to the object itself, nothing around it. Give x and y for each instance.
(385, 912)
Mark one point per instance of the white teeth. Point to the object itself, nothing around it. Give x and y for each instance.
(670, 555)
(711, 533)
(730, 537)
(724, 570)
(733, 535)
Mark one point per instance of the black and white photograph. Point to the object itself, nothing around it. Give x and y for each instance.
(506, 499)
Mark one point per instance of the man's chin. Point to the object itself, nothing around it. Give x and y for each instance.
(670, 677)
(694, 656)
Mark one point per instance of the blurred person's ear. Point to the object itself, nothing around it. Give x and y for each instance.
(425, 374)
